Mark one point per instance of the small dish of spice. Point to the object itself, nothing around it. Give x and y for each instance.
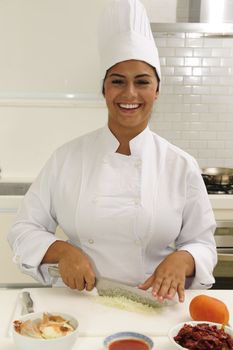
(128, 341)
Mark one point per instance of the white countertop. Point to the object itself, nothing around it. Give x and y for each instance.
(160, 320)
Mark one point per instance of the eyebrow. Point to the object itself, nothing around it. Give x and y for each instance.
(123, 76)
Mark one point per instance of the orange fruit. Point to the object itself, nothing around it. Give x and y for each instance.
(206, 308)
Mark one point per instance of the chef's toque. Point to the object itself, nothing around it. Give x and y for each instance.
(125, 34)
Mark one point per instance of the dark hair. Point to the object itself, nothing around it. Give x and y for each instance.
(156, 75)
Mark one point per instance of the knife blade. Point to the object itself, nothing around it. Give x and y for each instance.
(27, 303)
(111, 288)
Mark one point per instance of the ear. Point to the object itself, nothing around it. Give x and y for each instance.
(156, 95)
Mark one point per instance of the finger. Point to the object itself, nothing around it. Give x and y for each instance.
(72, 283)
(69, 283)
(180, 291)
(89, 282)
(156, 286)
(147, 284)
(172, 291)
(164, 288)
(80, 283)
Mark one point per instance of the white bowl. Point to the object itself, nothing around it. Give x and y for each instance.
(126, 336)
(174, 330)
(66, 342)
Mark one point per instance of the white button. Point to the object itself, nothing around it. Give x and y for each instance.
(91, 241)
(137, 242)
(94, 200)
(137, 201)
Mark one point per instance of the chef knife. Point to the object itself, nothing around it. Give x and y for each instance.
(110, 288)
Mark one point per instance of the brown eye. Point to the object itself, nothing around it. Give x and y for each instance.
(117, 82)
(143, 82)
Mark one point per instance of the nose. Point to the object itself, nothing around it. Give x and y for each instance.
(130, 90)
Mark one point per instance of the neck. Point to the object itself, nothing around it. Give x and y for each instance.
(124, 149)
(124, 136)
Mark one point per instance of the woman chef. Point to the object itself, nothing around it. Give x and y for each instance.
(134, 207)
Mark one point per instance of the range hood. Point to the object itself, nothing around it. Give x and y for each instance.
(210, 17)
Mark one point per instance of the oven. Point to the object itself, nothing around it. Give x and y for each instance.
(223, 271)
(219, 182)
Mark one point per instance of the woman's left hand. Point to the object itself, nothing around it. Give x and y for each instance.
(169, 277)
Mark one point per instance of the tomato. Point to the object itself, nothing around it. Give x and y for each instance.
(206, 308)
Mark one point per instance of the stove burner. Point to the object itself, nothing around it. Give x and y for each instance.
(219, 189)
(214, 187)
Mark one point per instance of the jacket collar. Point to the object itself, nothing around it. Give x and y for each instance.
(138, 145)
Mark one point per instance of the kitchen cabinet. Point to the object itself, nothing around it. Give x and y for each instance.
(222, 206)
(223, 211)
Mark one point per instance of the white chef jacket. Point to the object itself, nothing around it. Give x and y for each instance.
(127, 213)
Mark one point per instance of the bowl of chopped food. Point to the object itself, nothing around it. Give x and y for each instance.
(45, 331)
(201, 335)
(129, 341)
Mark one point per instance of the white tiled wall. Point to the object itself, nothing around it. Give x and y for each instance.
(195, 107)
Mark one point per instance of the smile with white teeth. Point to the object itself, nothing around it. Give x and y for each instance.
(129, 105)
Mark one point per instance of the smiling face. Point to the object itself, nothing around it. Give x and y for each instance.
(130, 89)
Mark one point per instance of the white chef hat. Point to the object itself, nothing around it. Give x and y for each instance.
(125, 34)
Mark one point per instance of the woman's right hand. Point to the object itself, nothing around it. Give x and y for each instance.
(74, 266)
(76, 270)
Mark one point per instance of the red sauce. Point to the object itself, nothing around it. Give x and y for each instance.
(128, 344)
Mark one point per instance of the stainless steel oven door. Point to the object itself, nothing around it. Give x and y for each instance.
(224, 242)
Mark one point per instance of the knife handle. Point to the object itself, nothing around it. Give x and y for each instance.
(27, 302)
(54, 271)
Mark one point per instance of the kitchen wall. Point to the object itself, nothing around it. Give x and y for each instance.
(195, 108)
(31, 130)
(50, 84)
(48, 47)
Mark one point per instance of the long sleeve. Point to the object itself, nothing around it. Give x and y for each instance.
(197, 233)
(33, 230)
